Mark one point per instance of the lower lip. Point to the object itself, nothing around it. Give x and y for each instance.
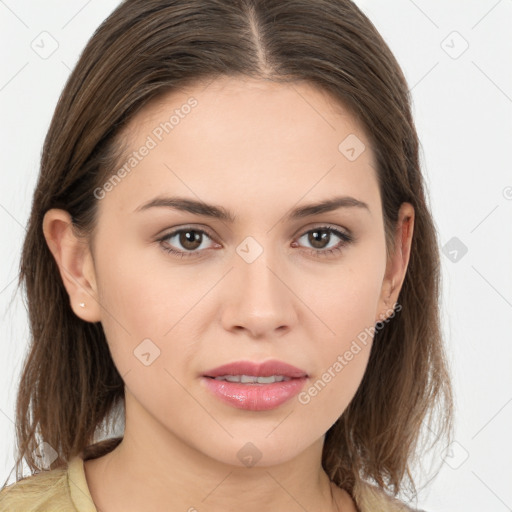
(255, 397)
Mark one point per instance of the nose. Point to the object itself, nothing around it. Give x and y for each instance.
(259, 296)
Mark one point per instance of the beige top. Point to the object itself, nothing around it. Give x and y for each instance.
(66, 490)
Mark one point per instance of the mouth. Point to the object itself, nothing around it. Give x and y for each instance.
(249, 371)
(252, 379)
(255, 386)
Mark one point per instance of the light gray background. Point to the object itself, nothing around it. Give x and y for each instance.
(463, 110)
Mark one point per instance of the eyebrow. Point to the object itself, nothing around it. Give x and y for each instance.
(219, 212)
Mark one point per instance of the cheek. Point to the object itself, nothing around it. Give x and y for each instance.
(145, 330)
(341, 358)
(329, 393)
(150, 314)
(347, 304)
(346, 298)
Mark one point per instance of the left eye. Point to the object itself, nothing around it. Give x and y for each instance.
(192, 239)
(318, 236)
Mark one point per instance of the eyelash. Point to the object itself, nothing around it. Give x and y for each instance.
(346, 239)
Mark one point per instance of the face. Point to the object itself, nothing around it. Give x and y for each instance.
(181, 292)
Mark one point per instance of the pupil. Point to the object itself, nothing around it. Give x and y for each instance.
(189, 239)
(318, 237)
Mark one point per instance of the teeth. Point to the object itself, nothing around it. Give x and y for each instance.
(251, 379)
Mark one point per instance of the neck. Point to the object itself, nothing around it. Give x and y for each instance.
(152, 468)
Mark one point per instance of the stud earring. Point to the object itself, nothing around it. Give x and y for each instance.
(82, 304)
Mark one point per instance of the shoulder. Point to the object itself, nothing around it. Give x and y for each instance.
(370, 497)
(46, 491)
(58, 490)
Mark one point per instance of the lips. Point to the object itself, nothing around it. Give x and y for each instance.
(255, 396)
(264, 369)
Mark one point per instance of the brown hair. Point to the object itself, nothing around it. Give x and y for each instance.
(145, 48)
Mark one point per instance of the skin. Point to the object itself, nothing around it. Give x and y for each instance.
(258, 149)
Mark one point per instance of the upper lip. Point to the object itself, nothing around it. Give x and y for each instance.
(263, 369)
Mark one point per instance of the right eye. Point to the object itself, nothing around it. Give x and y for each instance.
(189, 238)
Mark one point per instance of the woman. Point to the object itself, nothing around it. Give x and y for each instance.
(230, 241)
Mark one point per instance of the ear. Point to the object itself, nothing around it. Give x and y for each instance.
(75, 263)
(397, 263)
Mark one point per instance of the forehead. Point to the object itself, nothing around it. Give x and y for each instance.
(244, 140)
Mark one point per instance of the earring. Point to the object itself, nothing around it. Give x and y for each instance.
(82, 304)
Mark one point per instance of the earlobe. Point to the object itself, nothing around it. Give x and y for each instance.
(396, 268)
(75, 263)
